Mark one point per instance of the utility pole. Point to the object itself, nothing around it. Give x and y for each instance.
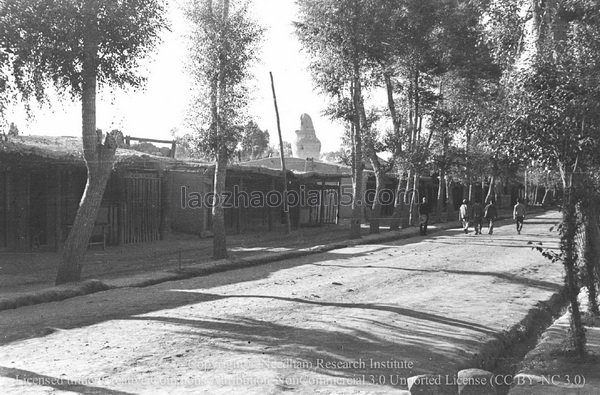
(286, 209)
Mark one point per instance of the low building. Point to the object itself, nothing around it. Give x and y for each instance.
(147, 197)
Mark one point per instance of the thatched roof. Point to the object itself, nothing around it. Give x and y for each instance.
(68, 150)
(301, 166)
(53, 148)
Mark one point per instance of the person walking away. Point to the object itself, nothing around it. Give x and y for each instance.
(519, 215)
(424, 210)
(463, 215)
(477, 215)
(490, 213)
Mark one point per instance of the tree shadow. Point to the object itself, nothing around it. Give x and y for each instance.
(419, 315)
(436, 346)
(509, 277)
(61, 384)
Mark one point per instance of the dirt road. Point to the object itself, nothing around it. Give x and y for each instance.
(354, 320)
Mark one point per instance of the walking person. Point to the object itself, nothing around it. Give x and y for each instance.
(477, 215)
(490, 213)
(424, 210)
(519, 215)
(463, 215)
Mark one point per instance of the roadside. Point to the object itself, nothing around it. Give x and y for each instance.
(550, 368)
(28, 278)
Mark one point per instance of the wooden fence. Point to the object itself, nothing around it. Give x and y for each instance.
(142, 208)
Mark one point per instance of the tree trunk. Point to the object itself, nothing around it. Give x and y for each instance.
(440, 195)
(218, 98)
(398, 204)
(525, 186)
(357, 192)
(490, 189)
(405, 217)
(590, 256)
(470, 192)
(99, 159)
(545, 198)
(391, 104)
(568, 248)
(376, 206)
(449, 198)
(399, 201)
(414, 201)
(218, 212)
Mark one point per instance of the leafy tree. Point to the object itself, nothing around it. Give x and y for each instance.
(273, 151)
(554, 98)
(341, 156)
(224, 45)
(152, 149)
(254, 142)
(76, 46)
(339, 35)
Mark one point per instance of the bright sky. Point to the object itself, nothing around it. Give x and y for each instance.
(161, 106)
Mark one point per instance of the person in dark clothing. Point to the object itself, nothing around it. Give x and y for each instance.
(477, 215)
(490, 213)
(424, 210)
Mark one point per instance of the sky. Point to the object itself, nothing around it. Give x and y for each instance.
(161, 107)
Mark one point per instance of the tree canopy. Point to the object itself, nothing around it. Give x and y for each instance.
(45, 41)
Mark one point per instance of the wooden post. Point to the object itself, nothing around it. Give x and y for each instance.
(239, 208)
(283, 171)
(173, 149)
(270, 209)
(339, 198)
(58, 234)
(322, 209)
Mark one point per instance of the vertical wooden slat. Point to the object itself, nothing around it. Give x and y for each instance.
(144, 207)
(57, 209)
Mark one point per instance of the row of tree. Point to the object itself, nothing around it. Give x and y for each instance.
(476, 90)
(73, 47)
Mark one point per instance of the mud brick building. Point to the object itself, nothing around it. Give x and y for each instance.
(42, 179)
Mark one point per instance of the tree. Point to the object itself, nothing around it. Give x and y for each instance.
(273, 151)
(338, 35)
(254, 142)
(554, 99)
(224, 45)
(341, 156)
(76, 46)
(426, 45)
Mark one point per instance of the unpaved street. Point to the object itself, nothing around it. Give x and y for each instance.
(359, 319)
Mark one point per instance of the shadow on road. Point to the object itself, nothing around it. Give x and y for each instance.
(546, 285)
(26, 377)
(427, 336)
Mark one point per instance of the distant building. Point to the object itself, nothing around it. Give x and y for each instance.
(307, 145)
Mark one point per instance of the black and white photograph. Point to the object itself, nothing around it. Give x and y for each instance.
(300, 197)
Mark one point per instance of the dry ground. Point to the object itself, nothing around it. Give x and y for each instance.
(354, 320)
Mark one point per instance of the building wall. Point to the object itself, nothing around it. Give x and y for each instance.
(181, 213)
(3, 210)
